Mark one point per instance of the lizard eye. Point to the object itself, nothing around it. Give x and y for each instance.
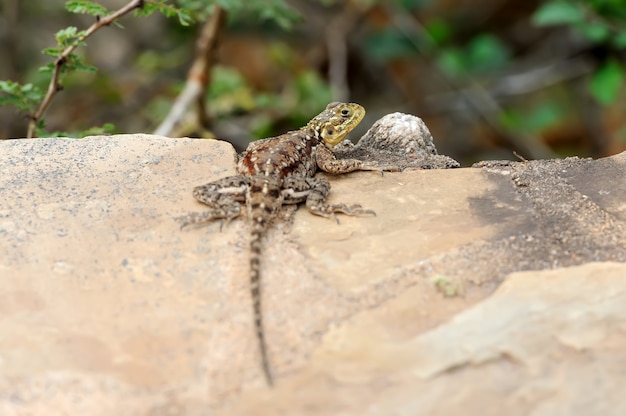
(345, 112)
(329, 132)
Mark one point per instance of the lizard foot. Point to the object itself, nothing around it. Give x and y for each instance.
(204, 217)
(381, 169)
(329, 211)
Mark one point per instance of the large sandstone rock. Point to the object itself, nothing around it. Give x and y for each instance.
(107, 307)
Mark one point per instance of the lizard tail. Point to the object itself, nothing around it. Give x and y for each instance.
(263, 202)
(255, 290)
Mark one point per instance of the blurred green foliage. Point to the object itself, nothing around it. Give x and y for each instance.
(534, 120)
(602, 22)
(388, 34)
(276, 11)
(481, 54)
(85, 7)
(389, 44)
(23, 97)
(480, 60)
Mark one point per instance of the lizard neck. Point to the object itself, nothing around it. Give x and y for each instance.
(313, 134)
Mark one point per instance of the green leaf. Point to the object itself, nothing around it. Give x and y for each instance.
(410, 5)
(229, 92)
(483, 53)
(105, 129)
(606, 82)
(23, 97)
(512, 119)
(77, 63)
(539, 117)
(595, 32)
(64, 34)
(52, 52)
(69, 36)
(40, 128)
(452, 61)
(558, 12)
(439, 30)
(150, 7)
(85, 7)
(276, 11)
(619, 40)
(167, 10)
(184, 18)
(47, 69)
(543, 116)
(312, 94)
(389, 44)
(487, 52)
(225, 81)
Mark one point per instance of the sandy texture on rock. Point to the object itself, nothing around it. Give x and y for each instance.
(534, 347)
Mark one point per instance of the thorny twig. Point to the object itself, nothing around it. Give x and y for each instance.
(54, 85)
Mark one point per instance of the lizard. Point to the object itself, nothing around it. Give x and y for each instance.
(280, 170)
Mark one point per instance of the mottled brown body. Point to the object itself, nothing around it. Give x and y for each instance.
(280, 170)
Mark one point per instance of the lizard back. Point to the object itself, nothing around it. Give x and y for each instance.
(290, 154)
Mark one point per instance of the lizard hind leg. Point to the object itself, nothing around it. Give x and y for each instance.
(222, 196)
(316, 201)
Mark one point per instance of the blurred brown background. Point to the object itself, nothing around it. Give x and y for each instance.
(485, 75)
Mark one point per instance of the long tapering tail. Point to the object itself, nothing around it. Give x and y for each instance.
(263, 201)
(255, 291)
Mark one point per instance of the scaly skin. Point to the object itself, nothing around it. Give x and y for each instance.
(280, 170)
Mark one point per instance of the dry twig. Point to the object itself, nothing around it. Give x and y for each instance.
(198, 78)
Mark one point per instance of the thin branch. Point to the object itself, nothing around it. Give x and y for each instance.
(198, 77)
(336, 34)
(201, 70)
(54, 85)
(521, 83)
(336, 44)
(542, 77)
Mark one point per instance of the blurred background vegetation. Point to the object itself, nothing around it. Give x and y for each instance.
(489, 77)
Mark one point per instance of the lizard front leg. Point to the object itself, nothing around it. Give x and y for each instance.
(326, 161)
(222, 196)
(315, 191)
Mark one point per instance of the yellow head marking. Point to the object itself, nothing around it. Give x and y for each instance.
(336, 121)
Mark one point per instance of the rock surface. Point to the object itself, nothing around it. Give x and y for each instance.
(493, 290)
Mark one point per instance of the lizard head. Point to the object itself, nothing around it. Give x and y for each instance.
(336, 121)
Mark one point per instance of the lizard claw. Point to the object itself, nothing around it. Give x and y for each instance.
(388, 168)
(225, 221)
(183, 220)
(382, 169)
